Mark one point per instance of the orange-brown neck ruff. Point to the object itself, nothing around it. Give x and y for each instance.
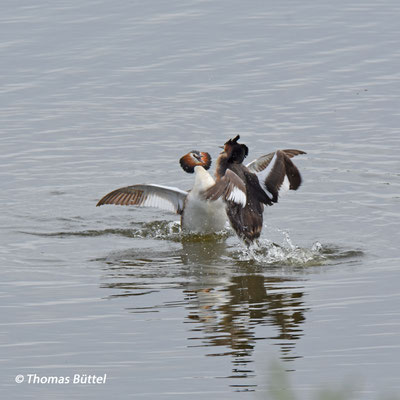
(193, 159)
(206, 159)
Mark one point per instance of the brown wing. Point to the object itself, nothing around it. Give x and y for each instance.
(167, 198)
(262, 162)
(279, 173)
(230, 187)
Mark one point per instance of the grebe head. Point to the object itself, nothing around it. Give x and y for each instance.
(193, 159)
(235, 151)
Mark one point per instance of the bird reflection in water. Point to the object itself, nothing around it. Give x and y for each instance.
(227, 317)
(225, 301)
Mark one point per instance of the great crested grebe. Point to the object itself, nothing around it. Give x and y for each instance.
(245, 189)
(197, 214)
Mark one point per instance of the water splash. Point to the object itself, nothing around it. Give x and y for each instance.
(263, 252)
(169, 230)
(270, 253)
(163, 230)
(266, 252)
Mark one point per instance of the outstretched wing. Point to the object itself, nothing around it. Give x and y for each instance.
(167, 198)
(276, 172)
(230, 187)
(262, 162)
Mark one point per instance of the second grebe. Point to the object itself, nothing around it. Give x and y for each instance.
(246, 189)
(197, 214)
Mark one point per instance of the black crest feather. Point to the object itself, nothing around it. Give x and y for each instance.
(237, 152)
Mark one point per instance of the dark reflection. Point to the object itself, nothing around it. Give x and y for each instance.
(231, 305)
(227, 317)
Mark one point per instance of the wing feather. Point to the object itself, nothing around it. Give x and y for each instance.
(276, 172)
(231, 187)
(165, 197)
(262, 162)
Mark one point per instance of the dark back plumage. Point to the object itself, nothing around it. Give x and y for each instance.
(247, 220)
(246, 189)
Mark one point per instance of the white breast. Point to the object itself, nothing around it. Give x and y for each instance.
(203, 216)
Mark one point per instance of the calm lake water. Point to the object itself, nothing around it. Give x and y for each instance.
(96, 95)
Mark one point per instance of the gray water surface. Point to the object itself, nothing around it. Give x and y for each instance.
(96, 95)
